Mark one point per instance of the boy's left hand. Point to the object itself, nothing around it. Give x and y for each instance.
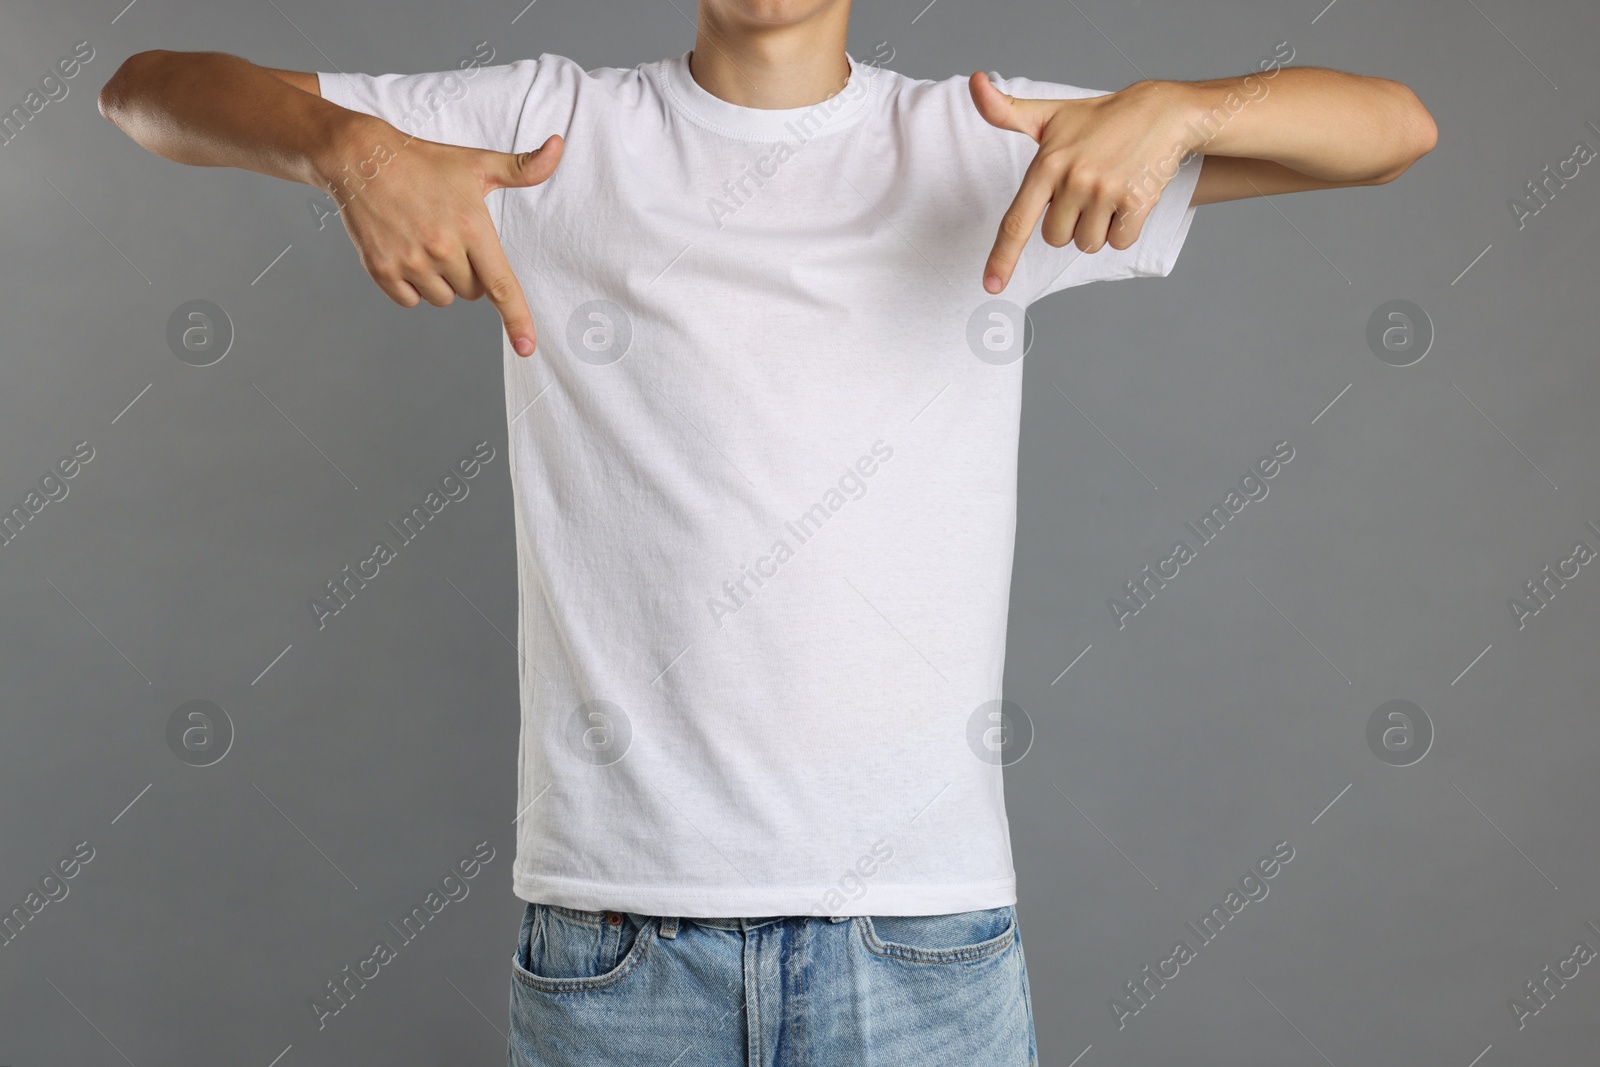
(1101, 166)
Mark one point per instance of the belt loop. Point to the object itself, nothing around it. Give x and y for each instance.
(669, 926)
(838, 918)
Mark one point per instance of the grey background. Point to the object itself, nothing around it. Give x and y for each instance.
(1172, 755)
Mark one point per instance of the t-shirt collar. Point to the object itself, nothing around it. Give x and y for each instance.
(765, 124)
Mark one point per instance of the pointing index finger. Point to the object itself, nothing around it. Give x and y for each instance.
(1016, 226)
(500, 284)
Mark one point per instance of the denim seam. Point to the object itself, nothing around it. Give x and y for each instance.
(888, 949)
(754, 998)
(629, 964)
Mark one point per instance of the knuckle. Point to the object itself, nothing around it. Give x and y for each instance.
(437, 245)
(500, 288)
(1084, 180)
(1014, 225)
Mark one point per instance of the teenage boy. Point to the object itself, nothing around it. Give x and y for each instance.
(764, 469)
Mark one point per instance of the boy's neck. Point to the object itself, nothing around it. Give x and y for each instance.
(763, 66)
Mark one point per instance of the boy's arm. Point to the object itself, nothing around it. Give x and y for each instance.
(1103, 160)
(420, 225)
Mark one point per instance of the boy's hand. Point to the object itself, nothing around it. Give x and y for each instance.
(420, 223)
(1099, 167)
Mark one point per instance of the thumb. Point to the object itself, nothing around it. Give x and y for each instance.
(1008, 112)
(522, 169)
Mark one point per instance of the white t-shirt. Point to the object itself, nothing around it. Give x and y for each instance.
(764, 464)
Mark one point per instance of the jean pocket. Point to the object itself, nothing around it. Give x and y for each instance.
(562, 949)
(962, 935)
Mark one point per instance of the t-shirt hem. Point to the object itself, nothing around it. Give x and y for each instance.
(701, 902)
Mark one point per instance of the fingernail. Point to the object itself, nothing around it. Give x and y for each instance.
(991, 282)
(523, 346)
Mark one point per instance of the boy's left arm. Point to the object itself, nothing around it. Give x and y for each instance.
(1103, 160)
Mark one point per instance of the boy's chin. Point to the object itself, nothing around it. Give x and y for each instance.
(772, 12)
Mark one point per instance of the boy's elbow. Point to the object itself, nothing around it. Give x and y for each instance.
(1416, 136)
(1424, 131)
(1420, 133)
(134, 71)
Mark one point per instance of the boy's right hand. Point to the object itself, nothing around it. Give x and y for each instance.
(420, 223)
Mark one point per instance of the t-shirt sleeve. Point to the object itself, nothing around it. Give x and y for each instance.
(475, 107)
(1044, 269)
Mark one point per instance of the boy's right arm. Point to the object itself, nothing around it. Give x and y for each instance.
(420, 226)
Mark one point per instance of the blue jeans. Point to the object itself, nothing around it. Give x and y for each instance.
(597, 988)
